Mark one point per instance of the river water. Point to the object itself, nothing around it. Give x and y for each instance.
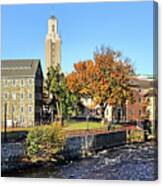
(128, 162)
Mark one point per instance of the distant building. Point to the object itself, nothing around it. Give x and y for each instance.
(145, 105)
(52, 44)
(21, 92)
(145, 94)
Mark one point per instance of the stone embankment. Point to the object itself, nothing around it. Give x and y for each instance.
(11, 155)
(75, 147)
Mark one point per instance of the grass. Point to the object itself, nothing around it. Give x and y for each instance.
(17, 129)
(68, 125)
(14, 134)
(72, 125)
(116, 126)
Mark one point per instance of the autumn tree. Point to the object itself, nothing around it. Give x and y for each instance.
(79, 81)
(106, 79)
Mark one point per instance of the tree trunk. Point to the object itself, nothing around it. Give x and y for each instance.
(125, 113)
(103, 107)
(112, 114)
(58, 111)
(61, 115)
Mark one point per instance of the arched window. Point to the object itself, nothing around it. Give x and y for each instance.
(52, 28)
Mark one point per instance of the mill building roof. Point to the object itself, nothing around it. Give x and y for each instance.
(19, 68)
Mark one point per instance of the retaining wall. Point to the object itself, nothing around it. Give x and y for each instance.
(81, 145)
(75, 147)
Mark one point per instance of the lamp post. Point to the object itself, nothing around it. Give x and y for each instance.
(12, 115)
(12, 109)
(5, 124)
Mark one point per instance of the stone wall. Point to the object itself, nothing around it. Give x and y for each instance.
(76, 147)
(11, 155)
(82, 145)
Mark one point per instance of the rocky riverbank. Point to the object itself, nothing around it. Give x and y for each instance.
(11, 155)
(128, 162)
(75, 148)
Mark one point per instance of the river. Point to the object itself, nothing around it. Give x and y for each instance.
(128, 162)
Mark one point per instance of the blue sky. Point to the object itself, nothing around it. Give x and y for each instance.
(127, 27)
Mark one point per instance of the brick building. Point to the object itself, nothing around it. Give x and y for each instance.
(145, 94)
(21, 92)
(145, 105)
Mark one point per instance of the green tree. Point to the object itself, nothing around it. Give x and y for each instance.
(62, 99)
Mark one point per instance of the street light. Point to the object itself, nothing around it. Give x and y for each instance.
(12, 109)
(5, 124)
(12, 116)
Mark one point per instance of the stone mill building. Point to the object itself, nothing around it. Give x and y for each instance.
(21, 92)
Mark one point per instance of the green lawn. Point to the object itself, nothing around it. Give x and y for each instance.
(72, 125)
(68, 125)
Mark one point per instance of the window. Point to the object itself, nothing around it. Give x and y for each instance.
(139, 112)
(13, 82)
(21, 119)
(52, 28)
(139, 90)
(148, 100)
(22, 82)
(6, 83)
(6, 96)
(30, 109)
(30, 95)
(139, 99)
(148, 113)
(21, 109)
(30, 81)
(13, 96)
(131, 113)
(21, 95)
(107, 112)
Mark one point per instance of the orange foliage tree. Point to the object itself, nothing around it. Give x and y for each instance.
(106, 79)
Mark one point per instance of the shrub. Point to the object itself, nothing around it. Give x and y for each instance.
(135, 135)
(44, 142)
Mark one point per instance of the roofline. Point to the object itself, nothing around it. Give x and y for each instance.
(12, 77)
(22, 59)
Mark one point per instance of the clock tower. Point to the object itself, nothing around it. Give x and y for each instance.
(52, 45)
